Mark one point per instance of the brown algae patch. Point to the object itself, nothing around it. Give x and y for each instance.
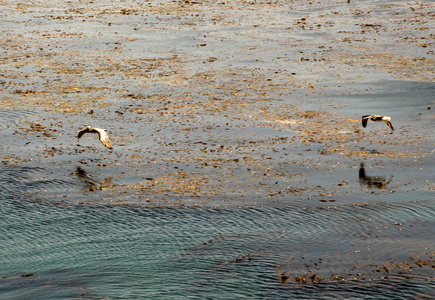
(225, 92)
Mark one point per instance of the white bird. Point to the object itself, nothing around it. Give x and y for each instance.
(104, 138)
(376, 118)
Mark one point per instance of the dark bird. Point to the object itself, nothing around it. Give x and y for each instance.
(104, 138)
(376, 118)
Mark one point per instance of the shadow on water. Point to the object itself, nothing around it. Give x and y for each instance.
(91, 183)
(378, 182)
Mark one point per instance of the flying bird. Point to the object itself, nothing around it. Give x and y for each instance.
(104, 138)
(376, 118)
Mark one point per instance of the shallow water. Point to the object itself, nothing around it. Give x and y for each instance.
(120, 253)
(240, 168)
(369, 246)
(406, 101)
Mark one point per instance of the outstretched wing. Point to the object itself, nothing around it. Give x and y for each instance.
(82, 132)
(389, 124)
(104, 138)
(364, 120)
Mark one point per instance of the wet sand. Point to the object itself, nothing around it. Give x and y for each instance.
(218, 104)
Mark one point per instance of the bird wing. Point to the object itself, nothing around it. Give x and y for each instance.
(389, 124)
(364, 120)
(104, 138)
(82, 132)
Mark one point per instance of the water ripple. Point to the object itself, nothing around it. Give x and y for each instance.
(226, 251)
(13, 117)
(16, 179)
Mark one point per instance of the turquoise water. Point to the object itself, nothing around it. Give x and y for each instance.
(113, 252)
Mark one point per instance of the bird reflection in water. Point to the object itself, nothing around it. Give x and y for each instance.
(371, 182)
(92, 184)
